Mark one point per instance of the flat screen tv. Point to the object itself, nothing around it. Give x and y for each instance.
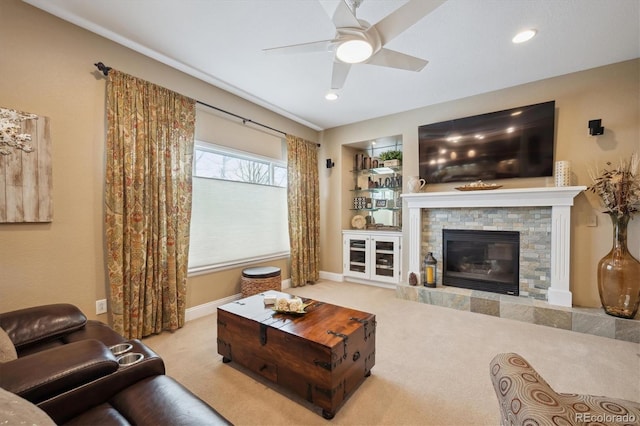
(514, 143)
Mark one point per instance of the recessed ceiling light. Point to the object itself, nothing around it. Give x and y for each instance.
(331, 96)
(523, 36)
(354, 51)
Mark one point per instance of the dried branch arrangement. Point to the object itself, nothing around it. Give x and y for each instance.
(618, 188)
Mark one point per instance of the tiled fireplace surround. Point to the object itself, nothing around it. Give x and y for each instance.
(542, 216)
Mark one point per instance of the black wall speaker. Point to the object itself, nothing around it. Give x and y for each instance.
(595, 127)
(330, 163)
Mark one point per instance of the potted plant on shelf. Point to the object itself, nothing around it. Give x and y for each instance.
(391, 158)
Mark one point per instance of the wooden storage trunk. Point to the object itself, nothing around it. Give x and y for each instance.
(323, 355)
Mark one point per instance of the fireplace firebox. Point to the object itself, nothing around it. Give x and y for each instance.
(481, 260)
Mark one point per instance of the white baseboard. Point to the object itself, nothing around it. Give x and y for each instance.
(210, 307)
(331, 276)
(371, 283)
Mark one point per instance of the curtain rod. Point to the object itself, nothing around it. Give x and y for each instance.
(105, 70)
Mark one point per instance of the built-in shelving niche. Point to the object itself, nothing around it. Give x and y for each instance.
(389, 183)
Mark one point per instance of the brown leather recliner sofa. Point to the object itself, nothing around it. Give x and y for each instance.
(55, 360)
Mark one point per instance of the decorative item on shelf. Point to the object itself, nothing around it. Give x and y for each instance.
(413, 279)
(357, 160)
(367, 163)
(359, 202)
(619, 271)
(381, 203)
(562, 173)
(415, 184)
(358, 222)
(478, 186)
(374, 163)
(430, 268)
(391, 158)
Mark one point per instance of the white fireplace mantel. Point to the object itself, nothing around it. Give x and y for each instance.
(560, 199)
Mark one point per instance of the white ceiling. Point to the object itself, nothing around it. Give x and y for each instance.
(467, 42)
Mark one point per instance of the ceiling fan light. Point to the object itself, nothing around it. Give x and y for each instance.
(523, 36)
(354, 51)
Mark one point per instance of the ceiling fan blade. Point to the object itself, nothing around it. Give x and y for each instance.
(340, 14)
(391, 58)
(404, 17)
(340, 73)
(312, 47)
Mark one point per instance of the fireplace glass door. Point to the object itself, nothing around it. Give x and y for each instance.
(482, 260)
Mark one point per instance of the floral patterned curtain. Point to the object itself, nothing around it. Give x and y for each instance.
(303, 198)
(150, 138)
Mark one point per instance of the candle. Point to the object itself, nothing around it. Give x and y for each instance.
(430, 275)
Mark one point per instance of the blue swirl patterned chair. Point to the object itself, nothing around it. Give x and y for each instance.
(525, 398)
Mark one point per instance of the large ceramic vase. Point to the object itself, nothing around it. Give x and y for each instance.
(619, 274)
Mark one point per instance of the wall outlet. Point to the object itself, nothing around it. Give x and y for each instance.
(101, 306)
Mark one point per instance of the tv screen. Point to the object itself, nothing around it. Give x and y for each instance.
(514, 143)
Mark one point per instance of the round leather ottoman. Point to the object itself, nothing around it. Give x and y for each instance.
(259, 279)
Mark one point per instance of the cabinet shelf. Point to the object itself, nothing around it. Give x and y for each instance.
(378, 171)
(376, 209)
(378, 189)
(375, 193)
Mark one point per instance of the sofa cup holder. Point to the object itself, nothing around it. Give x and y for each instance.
(120, 348)
(129, 359)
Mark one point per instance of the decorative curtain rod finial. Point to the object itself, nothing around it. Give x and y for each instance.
(102, 67)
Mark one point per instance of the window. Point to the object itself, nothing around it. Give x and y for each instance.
(239, 211)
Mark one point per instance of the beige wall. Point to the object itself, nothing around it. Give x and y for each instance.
(46, 67)
(611, 93)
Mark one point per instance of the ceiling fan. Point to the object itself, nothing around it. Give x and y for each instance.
(356, 41)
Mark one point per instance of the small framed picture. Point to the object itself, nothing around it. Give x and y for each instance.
(381, 203)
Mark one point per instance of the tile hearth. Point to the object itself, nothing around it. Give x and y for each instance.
(582, 320)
